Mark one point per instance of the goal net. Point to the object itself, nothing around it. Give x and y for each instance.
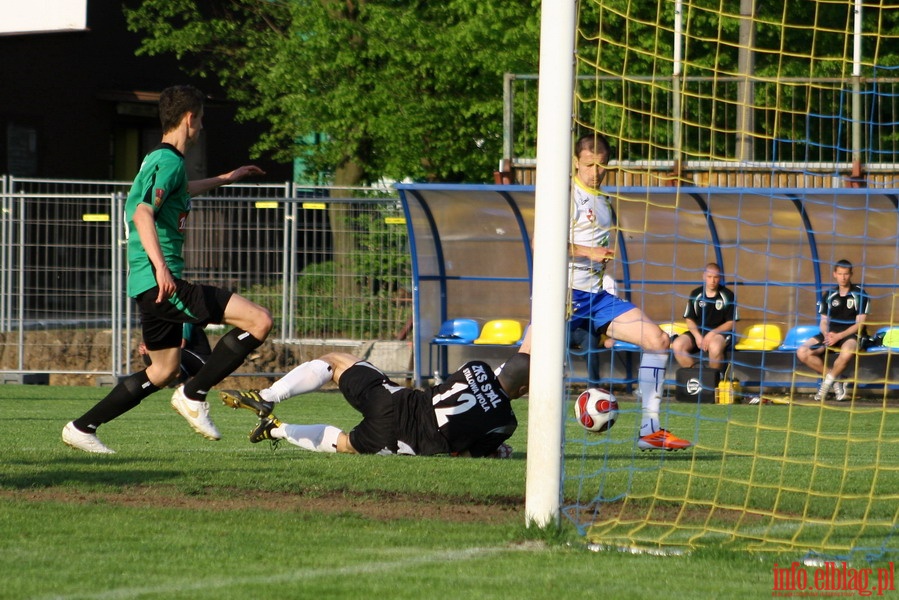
(761, 136)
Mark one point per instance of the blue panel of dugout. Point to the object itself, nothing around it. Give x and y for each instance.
(472, 258)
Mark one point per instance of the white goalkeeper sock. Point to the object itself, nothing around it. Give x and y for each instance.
(652, 375)
(317, 438)
(307, 377)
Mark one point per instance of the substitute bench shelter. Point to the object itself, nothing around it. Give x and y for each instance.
(472, 258)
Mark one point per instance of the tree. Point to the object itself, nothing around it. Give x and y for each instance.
(394, 88)
(623, 41)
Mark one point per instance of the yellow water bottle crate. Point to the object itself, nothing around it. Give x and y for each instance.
(727, 392)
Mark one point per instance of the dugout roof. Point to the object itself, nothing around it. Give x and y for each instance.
(471, 253)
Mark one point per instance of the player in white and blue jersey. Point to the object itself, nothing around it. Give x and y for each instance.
(590, 249)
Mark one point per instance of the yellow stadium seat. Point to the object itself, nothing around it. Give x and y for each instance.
(673, 329)
(760, 336)
(891, 338)
(503, 332)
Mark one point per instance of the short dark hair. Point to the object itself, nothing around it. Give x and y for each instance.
(515, 374)
(177, 100)
(594, 142)
(843, 263)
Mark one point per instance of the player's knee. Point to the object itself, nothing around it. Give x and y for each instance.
(685, 360)
(658, 342)
(257, 322)
(845, 354)
(339, 362)
(161, 375)
(682, 353)
(264, 321)
(684, 345)
(716, 351)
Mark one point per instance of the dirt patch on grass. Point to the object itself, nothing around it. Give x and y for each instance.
(383, 507)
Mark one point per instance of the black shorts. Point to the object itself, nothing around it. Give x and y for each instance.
(162, 323)
(371, 392)
(728, 339)
(819, 342)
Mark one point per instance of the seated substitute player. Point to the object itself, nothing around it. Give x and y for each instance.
(843, 309)
(590, 235)
(710, 315)
(469, 414)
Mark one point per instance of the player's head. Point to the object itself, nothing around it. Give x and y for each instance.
(712, 276)
(842, 272)
(175, 102)
(515, 374)
(595, 142)
(591, 157)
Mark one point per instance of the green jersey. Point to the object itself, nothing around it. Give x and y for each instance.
(162, 185)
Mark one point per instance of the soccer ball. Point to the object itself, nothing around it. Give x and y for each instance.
(596, 410)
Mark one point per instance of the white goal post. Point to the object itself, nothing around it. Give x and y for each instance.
(545, 399)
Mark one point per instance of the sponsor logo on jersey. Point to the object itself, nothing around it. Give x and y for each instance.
(486, 395)
(158, 197)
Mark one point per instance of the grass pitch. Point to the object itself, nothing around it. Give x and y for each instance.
(172, 515)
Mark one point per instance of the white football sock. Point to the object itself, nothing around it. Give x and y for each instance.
(652, 375)
(317, 438)
(307, 377)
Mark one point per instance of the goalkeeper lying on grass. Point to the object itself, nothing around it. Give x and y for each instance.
(470, 414)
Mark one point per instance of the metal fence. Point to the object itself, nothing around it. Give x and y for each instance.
(330, 263)
(814, 132)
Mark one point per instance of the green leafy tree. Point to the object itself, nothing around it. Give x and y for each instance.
(393, 88)
(625, 40)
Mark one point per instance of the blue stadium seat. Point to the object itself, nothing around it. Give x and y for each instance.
(625, 347)
(457, 331)
(797, 336)
(453, 332)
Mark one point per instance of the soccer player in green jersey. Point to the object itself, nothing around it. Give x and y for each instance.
(156, 213)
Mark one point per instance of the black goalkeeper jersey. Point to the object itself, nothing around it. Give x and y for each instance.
(468, 412)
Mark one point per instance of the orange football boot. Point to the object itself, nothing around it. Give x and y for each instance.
(662, 440)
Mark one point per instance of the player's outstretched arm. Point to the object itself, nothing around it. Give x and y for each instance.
(201, 186)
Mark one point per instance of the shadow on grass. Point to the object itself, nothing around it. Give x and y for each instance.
(82, 470)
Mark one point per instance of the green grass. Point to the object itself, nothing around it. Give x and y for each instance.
(172, 515)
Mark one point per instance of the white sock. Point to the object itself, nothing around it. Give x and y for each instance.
(317, 438)
(652, 375)
(307, 377)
